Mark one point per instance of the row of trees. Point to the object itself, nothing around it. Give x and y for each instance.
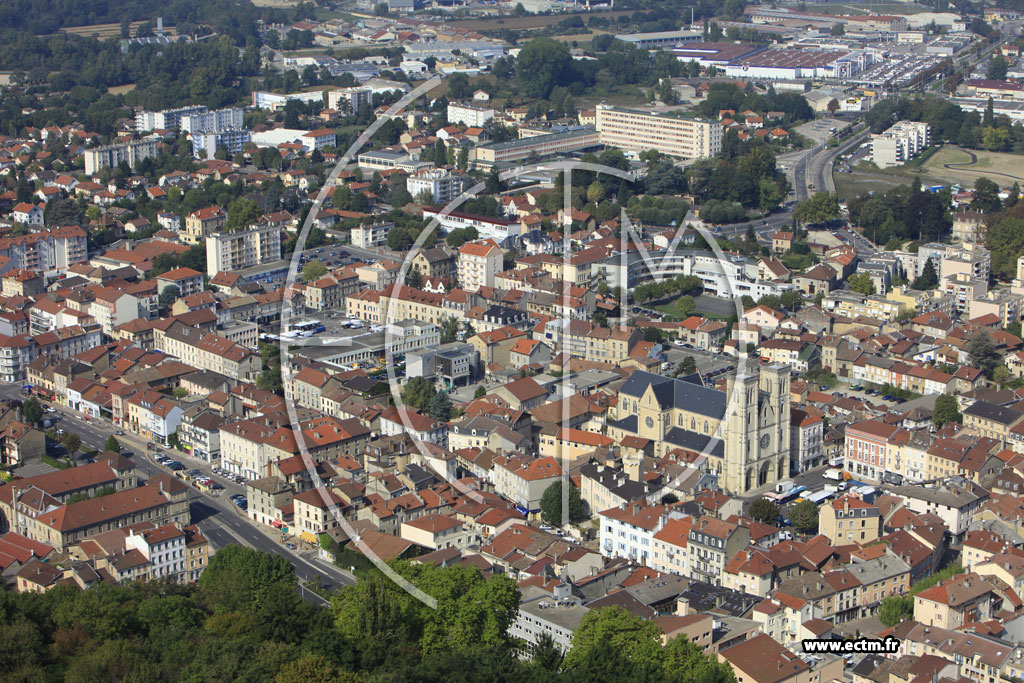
(244, 620)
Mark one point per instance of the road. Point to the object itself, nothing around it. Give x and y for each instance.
(220, 520)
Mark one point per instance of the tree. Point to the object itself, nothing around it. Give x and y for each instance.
(551, 504)
(72, 443)
(449, 325)
(986, 196)
(441, 406)
(946, 410)
(688, 366)
(928, 279)
(32, 411)
(547, 654)
(653, 334)
(804, 516)
(833, 106)
(241, 214)
(414, 278)
(543, 64)
(615, 629)
(895, 609)
(819, 208)
(313, 271)
(168, 296)
(764, 511)
(418, 393)
(243, 579)
(112, 444)
(480, 392)
(983, 353)
(997, 68)
(860, 283)
(270, 379)
(838, 30)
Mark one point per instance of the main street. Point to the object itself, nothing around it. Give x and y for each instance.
(219, 519)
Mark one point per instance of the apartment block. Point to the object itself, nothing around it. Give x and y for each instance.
(639, 131)
(112, 155)
(238, 250)
(370, 236)
(213, 121)
(207, 144)
(479, 262)
(899, 144)
(168, 119)
(469, 115)
(443, 185)
(349, 100)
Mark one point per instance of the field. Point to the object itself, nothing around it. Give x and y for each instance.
(849, 185)
(104, 31)
(121, 89)
(956, 165)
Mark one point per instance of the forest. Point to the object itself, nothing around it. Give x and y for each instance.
(234, 18)
(244, 621)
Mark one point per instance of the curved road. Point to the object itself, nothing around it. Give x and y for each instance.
(960, 166)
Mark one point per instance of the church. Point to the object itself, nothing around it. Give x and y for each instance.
(743, 431)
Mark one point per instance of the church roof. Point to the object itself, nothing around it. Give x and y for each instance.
(677, 393)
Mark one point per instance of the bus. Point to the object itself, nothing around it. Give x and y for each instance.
(307, 327)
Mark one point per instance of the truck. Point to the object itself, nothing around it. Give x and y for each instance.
(833, 475)
(784, 486)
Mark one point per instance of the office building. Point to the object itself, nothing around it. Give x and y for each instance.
(899, 144)
(112, 155)
(274, 101)
(548, 144)
(237, 250)
(638, 131)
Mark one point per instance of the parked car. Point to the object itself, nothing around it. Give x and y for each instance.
(119, 432)
(150, 446)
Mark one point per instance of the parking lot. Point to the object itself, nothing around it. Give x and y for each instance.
(900, 70)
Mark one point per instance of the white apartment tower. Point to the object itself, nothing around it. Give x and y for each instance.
(443, 185)
(638, 131)
(130, 152)
(237, 250)
(899, 144)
